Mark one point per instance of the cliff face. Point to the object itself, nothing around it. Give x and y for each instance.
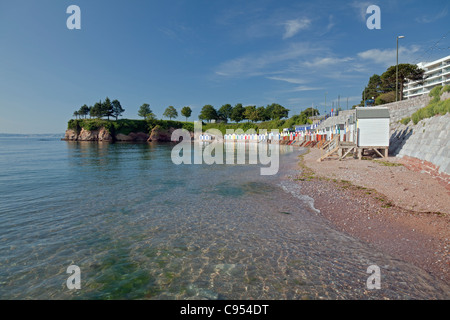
(85, 135)
(102, 135)
(161, 135)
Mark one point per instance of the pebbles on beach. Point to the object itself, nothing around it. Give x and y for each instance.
(402, 212)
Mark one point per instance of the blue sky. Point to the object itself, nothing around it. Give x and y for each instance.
(194, 52)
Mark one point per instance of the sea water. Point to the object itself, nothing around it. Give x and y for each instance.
(140, 227)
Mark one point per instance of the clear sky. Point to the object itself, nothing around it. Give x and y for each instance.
(197, 52)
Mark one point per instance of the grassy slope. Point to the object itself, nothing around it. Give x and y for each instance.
(436, 106)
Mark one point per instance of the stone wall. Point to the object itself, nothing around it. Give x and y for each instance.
(402, 109)
(428, 141)
(424, 147)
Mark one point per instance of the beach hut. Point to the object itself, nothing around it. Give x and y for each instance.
(350, 126)
(373, 130)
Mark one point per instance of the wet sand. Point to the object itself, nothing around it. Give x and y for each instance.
(401, 212)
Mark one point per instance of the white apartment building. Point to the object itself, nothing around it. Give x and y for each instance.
(437, 73)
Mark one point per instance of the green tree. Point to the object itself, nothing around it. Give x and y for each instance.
(374, 88)
(384, 98)
(250, 113)
(97, 110)
(186, 112)
(150, 116)
(117, 109)
(225, 112)
(279, 112)
(107, 108)
(208, 113)
(92, 112)
(310, 112)
(84, 111)
(144, 110)
(170, 112)
(237, 115)
(405, 72)
(76, 114)
(269, 111)
(262, 114)
(276, 112)
(303, 117)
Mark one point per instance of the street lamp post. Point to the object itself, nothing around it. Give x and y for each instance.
(396, 74)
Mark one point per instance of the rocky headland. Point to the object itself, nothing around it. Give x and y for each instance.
(158, 134)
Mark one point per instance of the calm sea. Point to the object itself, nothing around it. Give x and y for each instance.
(140, 227)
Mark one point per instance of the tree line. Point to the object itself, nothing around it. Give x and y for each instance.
(101, 109)
(240, 113)
(226, 113)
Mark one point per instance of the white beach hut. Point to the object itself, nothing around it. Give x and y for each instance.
(373, 129)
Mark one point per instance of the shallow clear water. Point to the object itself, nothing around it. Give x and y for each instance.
(140, 227)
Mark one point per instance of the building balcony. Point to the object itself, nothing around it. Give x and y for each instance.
(434, 75)
(432, 83)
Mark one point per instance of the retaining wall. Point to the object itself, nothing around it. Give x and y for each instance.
(428, 142)
(402, 109)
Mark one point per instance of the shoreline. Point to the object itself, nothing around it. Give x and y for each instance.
(417, 236)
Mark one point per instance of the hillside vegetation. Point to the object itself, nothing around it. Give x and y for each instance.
(435, 107)
(126, 126)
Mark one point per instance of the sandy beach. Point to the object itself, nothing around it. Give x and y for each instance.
(401, 212)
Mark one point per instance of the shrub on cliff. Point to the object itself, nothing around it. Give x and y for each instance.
(445, 89)
(435, 107)
(87, 124)
(443, 107)
(406, 120)
(123, 126)
(385, 98)
(165, 124)
(126, 126)
(95, 124)
(188, 126)
(73, 125)
(435, 92)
